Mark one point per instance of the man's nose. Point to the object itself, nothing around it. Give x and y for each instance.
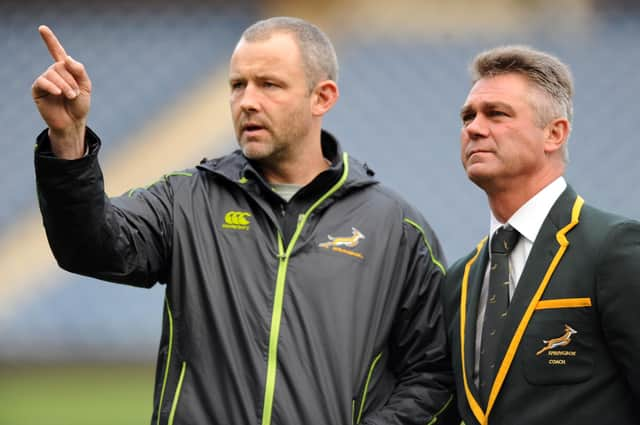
(250, 101)
(477, 127)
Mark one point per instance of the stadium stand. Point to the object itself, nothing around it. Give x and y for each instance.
(398, 111)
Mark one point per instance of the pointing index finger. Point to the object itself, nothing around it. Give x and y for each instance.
(55, 48)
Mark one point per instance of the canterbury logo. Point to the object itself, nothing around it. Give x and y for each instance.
(339, 243)
(561, 341)
(237, 220)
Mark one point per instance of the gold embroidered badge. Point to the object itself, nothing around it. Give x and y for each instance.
(561, 341)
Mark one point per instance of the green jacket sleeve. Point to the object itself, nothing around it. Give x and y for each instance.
(618, 291)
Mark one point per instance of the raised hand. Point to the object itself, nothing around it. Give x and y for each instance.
(62, 95)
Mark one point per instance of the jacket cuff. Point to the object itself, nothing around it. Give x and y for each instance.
(66, 176)
(43, 145)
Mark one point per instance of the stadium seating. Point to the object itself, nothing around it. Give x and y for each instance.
(398, 112)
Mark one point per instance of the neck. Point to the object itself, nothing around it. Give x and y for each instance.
(504, 202)
(296, 172)
(299, 165)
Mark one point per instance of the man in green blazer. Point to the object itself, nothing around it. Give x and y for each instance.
(554, 339)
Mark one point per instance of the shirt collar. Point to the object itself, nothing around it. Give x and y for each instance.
(530, 216)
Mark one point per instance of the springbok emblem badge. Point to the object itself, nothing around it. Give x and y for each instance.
(561, 341)
(348, 241)
(343, 243)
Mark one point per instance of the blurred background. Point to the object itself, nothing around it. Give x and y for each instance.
(78, 351)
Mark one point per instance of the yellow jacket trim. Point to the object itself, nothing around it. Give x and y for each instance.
(366, 386)
(166, 368)
(563, 303)
(475, 407)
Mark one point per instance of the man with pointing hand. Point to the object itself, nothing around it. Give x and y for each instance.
(299, 290)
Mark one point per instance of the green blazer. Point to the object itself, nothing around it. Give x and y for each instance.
(570, 352)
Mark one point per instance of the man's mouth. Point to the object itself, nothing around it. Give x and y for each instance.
(252, 127)
(476, 151)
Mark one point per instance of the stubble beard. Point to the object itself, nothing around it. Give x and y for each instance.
(266, 149)
(278, 145)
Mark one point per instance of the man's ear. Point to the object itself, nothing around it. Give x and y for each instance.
(557, 133)
(324, 96)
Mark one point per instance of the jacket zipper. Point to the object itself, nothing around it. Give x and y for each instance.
(276, 316)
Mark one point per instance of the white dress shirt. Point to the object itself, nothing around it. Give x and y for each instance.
(527, 221)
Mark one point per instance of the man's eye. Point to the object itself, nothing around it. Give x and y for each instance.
(467, 118)
(269, 85)
(498, 114)
(237, 85)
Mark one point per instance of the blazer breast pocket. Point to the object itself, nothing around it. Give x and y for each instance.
(557, 347)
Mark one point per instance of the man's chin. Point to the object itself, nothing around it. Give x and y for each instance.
(255, 151)
(479, 175)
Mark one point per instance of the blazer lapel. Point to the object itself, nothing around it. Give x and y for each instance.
(469, 300)
(476, 277)
(542, 252)
(536, 267)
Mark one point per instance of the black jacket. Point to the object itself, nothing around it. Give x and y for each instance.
(339, 324)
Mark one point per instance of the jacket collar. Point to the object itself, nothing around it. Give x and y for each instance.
(237, 168)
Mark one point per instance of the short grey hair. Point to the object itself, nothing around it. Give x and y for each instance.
(546, 72)
(318, 54)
